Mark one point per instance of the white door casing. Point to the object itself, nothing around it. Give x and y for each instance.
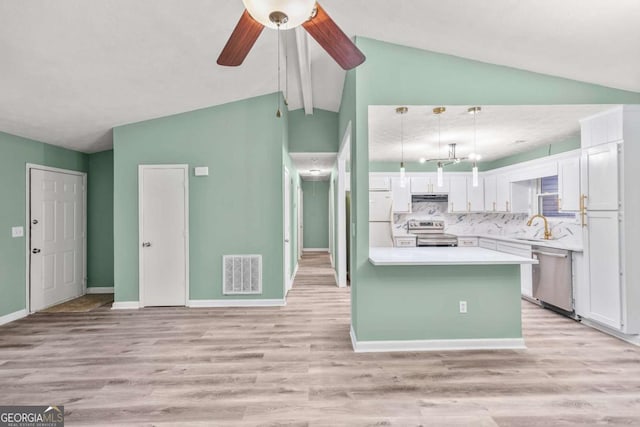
(57, 236)
(163, 235)
(287, 231)
(300, 222)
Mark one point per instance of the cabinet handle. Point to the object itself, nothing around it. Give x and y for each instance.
(507, 204)
(469, 206)
(559, 204)
(583, 210)
(451, 206)
(494, 206)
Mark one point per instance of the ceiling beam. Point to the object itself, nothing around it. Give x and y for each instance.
(304, 66)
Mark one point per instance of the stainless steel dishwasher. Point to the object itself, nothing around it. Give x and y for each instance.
(552, 277)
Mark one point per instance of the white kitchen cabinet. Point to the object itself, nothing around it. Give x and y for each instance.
(428, 184)
(580, 285)
(491, 193)
(379, 183)
(569, 185)
(602, 128)
(458, 193)
(602, 252)
(405, 241)
(468, 242)
(600, 177)
(526, 271)
(503, 193)
(488, 243)
(475, 195)
(401, 195)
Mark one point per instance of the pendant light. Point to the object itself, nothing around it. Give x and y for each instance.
(438, 111)
(475, 157)
(402, 111)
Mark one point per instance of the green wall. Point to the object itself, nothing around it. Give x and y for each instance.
(100, 220)
(397, 75)
(317, 133)
(547, 150)
(316, 214)
(237, 209)
(15, 153)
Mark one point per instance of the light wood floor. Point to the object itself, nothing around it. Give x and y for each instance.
(295, 366)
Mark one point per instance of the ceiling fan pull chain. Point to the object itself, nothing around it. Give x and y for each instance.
(278, 113)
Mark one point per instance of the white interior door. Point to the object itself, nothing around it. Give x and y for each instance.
(164, 237)
(287, 230)
(57, 237)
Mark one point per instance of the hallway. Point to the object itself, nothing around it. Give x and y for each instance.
(294, 365)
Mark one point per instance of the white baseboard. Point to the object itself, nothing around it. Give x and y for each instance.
(631, 339)
(218, 303)
(436, 345)
(315, 250)
(125, 305)
(13, 316)
(100, 290)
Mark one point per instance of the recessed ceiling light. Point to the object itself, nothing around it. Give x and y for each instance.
(422, 160)
(314, 172)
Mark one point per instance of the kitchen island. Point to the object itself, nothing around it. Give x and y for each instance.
(442, 298)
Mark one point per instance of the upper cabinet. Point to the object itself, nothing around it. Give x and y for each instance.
(569, 185)
(602, 128)
(379, 183)
(458, 193)
(475, 195)
(428, 184)
(600, 177)
(401, 195)
(491, 193)
(503, 193)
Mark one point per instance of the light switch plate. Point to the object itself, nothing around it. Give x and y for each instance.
(202, 171)
(17, 231)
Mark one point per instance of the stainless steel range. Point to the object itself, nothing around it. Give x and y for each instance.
(431, 233)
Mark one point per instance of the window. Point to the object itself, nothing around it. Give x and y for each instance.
(548, 198)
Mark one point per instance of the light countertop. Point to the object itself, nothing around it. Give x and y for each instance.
(443, 256)
(556, 244)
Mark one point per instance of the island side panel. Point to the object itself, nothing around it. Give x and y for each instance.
(422, 303)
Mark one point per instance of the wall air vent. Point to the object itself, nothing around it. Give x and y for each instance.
(242, 274)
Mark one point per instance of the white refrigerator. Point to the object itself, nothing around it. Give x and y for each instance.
(380, 219)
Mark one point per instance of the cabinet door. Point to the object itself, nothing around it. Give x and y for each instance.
(602, 252)
(569, 185)
(379, 183)
(490, 193)
(458, 194)
(401, 196)
(475, 195)
(503, 193)
(600, 177)
(445, 189)
(420, 185)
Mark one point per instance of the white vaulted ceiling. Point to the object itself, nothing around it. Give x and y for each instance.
(500, 130)
(71, 70)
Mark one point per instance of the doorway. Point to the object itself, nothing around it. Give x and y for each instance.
(57, 236)
(164, 234)
(343, 211)
(287, 231)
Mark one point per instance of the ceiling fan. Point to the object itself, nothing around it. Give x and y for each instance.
(288, 14)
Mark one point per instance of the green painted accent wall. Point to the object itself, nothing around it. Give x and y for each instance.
(422, 303)
(317, 133)
(100, 220)
(397, 75)
(537, 153)
(237, 209)
(316, 214)
(15, 153)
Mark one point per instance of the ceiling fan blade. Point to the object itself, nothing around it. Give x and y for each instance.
(334, 40)
(241, 41)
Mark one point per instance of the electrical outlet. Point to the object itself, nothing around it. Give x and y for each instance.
(463, 306)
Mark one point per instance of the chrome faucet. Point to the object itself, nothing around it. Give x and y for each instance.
(547, 232)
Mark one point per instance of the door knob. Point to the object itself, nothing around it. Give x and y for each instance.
(286, 240)
(146, 244)
(34, 222)
(35, 251)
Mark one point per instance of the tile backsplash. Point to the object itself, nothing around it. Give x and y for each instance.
(510, 224)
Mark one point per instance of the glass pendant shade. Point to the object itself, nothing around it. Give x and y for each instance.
(403, 179)
(298, 11)
(440, 176)
(475, 174)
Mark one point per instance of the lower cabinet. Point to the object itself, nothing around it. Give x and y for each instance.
(404, 242)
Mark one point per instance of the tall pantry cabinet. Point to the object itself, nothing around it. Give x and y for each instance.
(610, 215)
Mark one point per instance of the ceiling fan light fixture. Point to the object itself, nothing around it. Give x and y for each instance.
(272, 13)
